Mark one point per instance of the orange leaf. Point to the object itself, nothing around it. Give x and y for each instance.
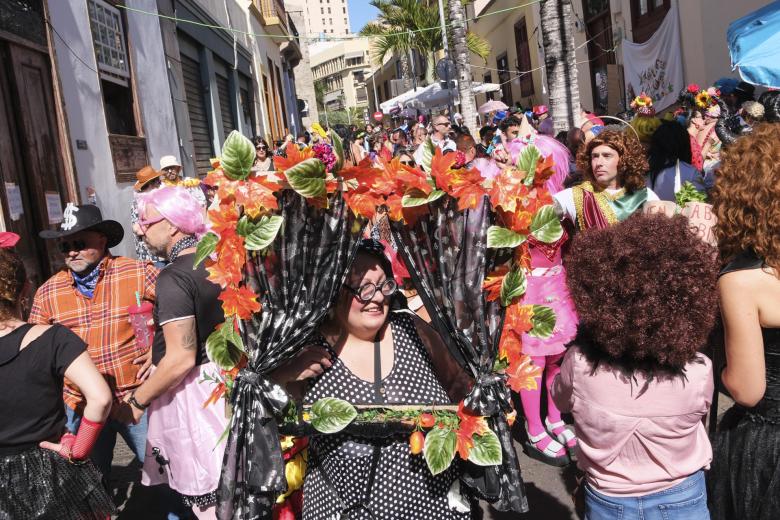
(223, 276)
(522, 374)
(493, 281)
(256, 197)
(409, 177)
(510, 345)
(383, 180)
(544, 170)
(507, 188)
(440, 167)
(518, 318)
(240, 302)
(362, 202)
(223, 219)
(294, 156)
(518, 220)
(395, 210)
(469, 426)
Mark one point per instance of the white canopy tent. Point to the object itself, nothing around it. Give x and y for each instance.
(431, 96)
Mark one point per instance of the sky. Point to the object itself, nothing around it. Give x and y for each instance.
(360, 12)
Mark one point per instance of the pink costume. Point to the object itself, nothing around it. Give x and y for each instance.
(547, 286)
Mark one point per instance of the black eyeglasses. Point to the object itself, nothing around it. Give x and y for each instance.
(443, 124)
(366, 292)
(408, 163)
(262, 148)
(75, 245)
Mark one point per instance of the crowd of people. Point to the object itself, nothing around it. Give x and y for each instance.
(636, 295)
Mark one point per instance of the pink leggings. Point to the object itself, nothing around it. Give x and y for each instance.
(531, 399)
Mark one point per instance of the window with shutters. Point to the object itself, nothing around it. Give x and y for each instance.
(108, 28)
(502, 64)
(281, 101)
(488, 78)
(524, 58)
(224, 95)
(646, 17)
(196, 109)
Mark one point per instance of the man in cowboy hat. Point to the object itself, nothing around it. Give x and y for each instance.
(147, 179)
(91, 297)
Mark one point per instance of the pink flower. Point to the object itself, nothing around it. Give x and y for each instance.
(324, 152)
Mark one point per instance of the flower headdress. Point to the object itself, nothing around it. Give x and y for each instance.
(643, 105)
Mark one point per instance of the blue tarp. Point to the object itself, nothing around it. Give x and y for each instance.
(754, 44)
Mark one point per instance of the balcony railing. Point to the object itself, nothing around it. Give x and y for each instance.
(272, 16)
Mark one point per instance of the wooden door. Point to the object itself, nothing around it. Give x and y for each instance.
(598, 30)
(30, 161)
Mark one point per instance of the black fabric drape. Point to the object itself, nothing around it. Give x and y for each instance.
(297, 280)
(447, 257)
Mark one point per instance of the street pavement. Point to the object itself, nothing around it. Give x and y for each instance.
(549, 489)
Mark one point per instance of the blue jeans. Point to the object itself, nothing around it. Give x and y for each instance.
(685, 501)
(103, 452)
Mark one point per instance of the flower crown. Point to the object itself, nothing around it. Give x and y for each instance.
(704, 99)
(643, 105)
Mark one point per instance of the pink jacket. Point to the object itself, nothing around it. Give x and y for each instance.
(632, 444)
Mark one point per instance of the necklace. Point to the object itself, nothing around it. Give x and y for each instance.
(181, 245)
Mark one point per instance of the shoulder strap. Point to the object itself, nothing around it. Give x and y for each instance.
(743, 261)
(379, 391)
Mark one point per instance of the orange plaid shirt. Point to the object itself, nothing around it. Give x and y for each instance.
(101, 321)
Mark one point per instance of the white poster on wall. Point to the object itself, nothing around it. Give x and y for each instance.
(655, 67)
(14, 196)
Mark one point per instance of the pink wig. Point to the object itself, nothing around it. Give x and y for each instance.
(177, 206)
(547, 146)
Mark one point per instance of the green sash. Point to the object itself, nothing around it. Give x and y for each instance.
(626, 205)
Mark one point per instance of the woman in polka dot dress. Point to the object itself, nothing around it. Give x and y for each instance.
(366, 354)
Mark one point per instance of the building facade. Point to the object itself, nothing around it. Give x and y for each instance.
(341, 69)
(600, 27)
(109, 86)
(326, 18)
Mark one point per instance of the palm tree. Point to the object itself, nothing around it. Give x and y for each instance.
(462, 43)
(404, 26)
(560, 63)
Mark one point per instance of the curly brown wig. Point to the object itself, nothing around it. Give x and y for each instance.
(12, 278)
(632, 167)
(746, 197)
(645, 292)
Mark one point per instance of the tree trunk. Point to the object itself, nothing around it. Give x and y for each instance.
(406, 70)
(460, 53)
(560, 63)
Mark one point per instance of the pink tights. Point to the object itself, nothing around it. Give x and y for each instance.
(531, 399)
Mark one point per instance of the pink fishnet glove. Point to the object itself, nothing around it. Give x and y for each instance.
(78, 447)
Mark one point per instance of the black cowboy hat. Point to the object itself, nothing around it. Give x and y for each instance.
(85, 218)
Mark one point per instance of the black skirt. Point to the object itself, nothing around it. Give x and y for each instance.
(40, 484)
(744, 480)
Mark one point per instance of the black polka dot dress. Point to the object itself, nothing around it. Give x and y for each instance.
(403, 487)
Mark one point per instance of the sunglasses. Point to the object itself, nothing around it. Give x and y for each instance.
(262, 148)
(146, 224)
(408, 163)
(443, 124)
(75, 245)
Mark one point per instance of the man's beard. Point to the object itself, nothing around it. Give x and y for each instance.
(81, 267)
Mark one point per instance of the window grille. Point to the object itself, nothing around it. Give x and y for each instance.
(108, 37)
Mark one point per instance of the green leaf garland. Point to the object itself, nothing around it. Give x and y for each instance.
(486, 450)
(543, 321)
(546, 226)
(238, 156)
(338, 149)
(224, 346)
(513, 286)
(439, 449)
(331, 415)
(307, 178)
(498, 237)
(206, 246)
(263, 233)
(527, 162)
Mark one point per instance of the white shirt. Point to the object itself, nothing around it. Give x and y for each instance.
(444, 145)
(565, 200)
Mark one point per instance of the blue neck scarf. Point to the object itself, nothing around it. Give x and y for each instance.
(86, 284)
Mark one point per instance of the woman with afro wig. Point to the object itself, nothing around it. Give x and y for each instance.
(614, 168)
(634, 380)
(745, 477)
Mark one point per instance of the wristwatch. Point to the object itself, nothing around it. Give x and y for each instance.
(133, 401)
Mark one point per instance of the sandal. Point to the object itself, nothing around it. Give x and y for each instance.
(562, 434)
(549, 453)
